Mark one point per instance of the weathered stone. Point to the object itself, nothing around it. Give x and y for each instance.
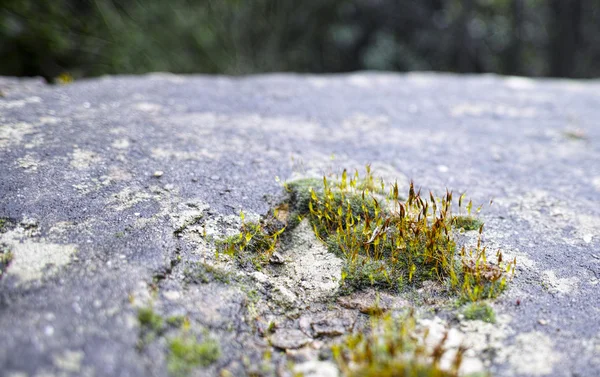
(79, 160)
(289, 339)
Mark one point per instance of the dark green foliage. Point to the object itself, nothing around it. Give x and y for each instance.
(97, 37)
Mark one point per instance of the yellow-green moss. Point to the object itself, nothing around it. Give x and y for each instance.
(186, 353)
(393, 348)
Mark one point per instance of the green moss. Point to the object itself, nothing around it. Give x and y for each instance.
(480, 311)
(256, 241)
(393, 348)
(149, 319)
(186, 353)
(6, 256)
(385, 240)
(466, 222)
(175, 320)
(151, 326)
(3, 223)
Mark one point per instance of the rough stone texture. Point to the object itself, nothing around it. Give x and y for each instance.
(112, 181)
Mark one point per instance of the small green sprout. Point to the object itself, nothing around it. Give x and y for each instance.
(186, 353)
(479, 311)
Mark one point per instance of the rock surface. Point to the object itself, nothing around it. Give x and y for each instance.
(110, 186)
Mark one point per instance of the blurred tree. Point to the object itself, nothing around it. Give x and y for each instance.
(94, 37)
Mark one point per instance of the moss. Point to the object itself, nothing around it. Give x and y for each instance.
(479, 311)
(175, 320)
(256, 242)
(6, 256)
(466, 222)
(2, 224)
(151, 326)
(393, 348)
(386, 241)
(186, 353)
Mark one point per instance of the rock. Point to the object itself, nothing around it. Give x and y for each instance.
(277, 258)
(370, 302)
(289, 339)
(315, 368)
(331, 323)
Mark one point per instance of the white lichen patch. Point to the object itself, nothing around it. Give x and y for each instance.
(309, 271)
(188, 213)
(29, 162)
(436, 329)
(492, 109)
(13, 133)
(69, 360)
(147, 107)
(82, 159)
(33, 260)
(128, 197)
(547, 214)
(519, 83)
(19, 103)
(162, 154)
(532, 354)
(122, 143)
(596, 183)
(558, 285)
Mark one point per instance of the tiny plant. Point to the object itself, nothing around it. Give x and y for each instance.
(256, 241)
(393, 348)
(479, 311)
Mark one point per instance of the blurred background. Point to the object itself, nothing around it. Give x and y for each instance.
(81, 38)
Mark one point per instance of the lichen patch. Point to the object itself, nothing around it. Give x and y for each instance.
(554, 284)
(82, 159)
(13, 133)
(34, 260)
(309, 271)
(532, 354)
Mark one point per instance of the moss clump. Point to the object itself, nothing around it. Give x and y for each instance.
(151, 326)
(256, 241)
(393, 348)
(6, 256)
(385, 240)
(186, 353)
(389, 242)
(479, 311)
(466, 222)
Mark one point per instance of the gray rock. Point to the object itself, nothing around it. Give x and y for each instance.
(289, 339)
(79, 160)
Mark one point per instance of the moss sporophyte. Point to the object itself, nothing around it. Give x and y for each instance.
(386, 241)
